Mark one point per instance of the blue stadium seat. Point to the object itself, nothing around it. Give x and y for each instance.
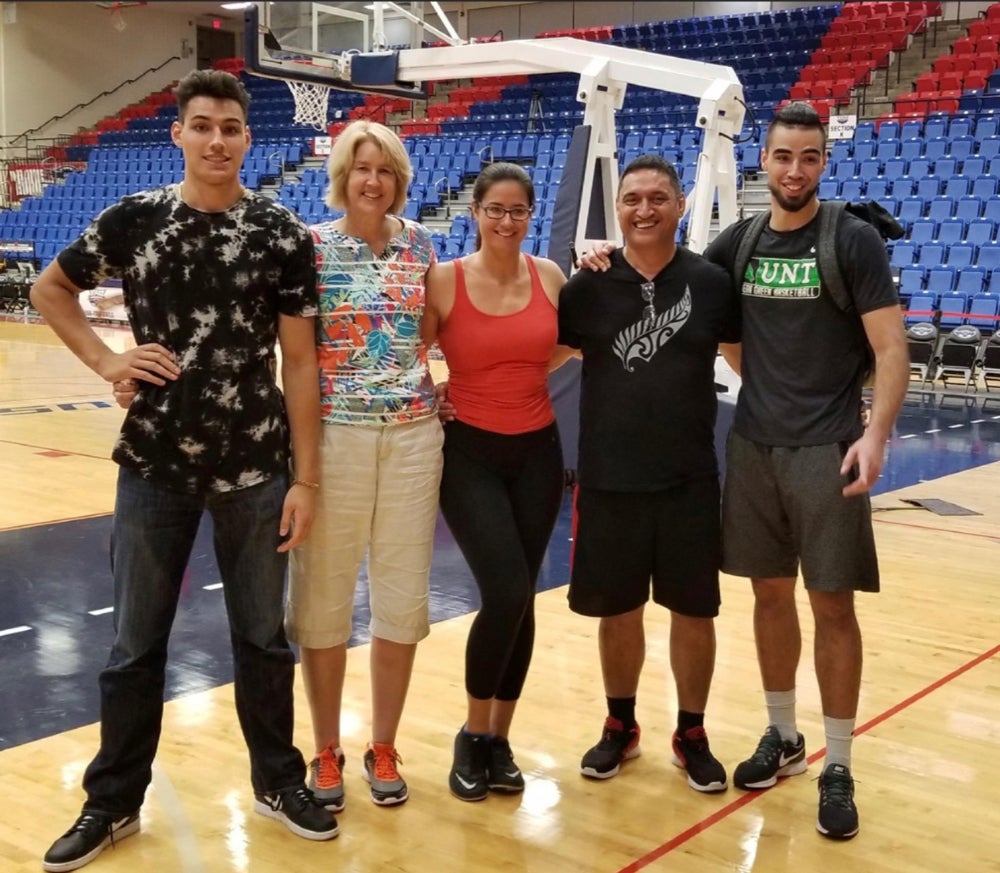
(973, 167)
(863, 151)
(940, 279)
(911, 148)
(928, 187)
(903, 254)
(828, 189)
(986, 125)
(984, 187)
(876, 189)
(930, 255)
(971, 281)
(953, 306)
(957, 186)
(951, 231)
(894, 168)
(935, 147)
(989, 147)
(962, 146)
(921, 308)
(851, 189)
(989, 257)
(984, 310)
(903, 186)
(922, 231)
(980, 231)
(969, 208)
(960, 255)
(940, 207)
(945, 167)
(910, 209)
(919, 167)
(935, 126)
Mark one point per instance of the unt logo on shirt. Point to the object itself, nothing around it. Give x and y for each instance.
(782, 279)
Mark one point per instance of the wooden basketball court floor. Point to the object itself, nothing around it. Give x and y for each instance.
(926, 756)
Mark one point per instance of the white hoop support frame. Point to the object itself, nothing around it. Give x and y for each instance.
(311, 103)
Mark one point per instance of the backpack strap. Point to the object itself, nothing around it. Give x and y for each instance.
(830, 213)
(748, 242)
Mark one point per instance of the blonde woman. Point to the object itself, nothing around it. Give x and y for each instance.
(380, 453)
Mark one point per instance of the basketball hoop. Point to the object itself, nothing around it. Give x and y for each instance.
(115, 8)
(311, 102)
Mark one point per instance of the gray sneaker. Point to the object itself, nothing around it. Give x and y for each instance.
(388, 787)
(325, 780)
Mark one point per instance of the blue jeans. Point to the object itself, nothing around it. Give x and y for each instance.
(152, 535)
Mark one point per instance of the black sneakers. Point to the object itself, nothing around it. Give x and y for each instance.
(83, 842)
(774, 757)
(504, 775)
(468, 779)
(838, 816)
(299, 811)
(616, 745)
(691, 752)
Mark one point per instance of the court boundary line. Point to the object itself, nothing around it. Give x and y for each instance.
(750, 796)
(67, 452)
(16, 527)
(947, 530)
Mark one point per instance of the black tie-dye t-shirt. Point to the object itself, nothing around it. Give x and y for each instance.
(209, 287)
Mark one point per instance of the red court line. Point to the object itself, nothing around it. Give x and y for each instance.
(961, 533)
(52, 449)
(751, 796)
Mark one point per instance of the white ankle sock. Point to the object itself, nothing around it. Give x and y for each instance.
(781, 713)
(839, 736)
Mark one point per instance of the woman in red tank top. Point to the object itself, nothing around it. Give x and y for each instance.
(493, 313)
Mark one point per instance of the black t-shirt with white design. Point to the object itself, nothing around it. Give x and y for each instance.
(804, 358)
(209, 287)
(647, 394)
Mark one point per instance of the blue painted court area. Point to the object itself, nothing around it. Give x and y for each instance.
(56, 624)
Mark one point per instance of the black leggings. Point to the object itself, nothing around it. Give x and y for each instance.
(500, 495)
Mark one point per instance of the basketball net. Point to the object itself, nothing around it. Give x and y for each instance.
(311, 102)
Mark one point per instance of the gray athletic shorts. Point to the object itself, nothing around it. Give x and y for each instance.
(782, 506)
(624, 541)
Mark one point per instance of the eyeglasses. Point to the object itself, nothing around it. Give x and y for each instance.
(647, 289)
(518, 213)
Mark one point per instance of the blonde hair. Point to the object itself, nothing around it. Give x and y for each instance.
(342, 158)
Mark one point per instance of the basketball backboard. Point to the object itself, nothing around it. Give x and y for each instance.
(351, 45)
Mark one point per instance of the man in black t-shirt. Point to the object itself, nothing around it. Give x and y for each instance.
(212, 275)
(800, 462)
(648, 500)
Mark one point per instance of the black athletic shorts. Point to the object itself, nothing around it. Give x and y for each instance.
(626, 541)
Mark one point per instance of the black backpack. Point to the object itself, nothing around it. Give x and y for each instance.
(831, 213)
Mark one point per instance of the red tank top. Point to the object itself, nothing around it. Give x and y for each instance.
(498, 365)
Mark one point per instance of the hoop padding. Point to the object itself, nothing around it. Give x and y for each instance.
(311, 102)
